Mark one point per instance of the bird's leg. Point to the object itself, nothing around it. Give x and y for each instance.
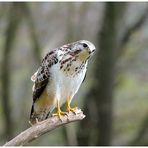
(69, 107)
(59, 113)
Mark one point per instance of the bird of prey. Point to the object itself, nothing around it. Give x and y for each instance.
(58, 78)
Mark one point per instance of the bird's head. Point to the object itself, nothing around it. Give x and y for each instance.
(83, 49)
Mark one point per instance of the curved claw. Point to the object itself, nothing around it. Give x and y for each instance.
(72, 109)
(59, 113)
(69, 108)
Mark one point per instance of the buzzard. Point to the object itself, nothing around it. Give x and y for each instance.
(58, 79)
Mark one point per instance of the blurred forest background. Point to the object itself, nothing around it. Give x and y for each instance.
(114, 96)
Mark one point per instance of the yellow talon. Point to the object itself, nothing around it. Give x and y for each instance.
(69, 107)
(59, 113)
(72, 109)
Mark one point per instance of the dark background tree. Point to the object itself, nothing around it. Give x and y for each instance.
(8, 45)
(105, 73)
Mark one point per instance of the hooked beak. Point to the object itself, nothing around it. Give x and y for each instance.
(91, 52)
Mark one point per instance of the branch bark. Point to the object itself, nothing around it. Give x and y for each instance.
(43, 127)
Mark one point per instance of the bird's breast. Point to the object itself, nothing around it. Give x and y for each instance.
(64, 83)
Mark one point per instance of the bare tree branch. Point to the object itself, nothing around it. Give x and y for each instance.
(131, 30)
(43, 127)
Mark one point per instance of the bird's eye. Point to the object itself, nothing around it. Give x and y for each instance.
(85, 45)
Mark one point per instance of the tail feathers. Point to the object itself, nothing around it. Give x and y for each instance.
(38, 116)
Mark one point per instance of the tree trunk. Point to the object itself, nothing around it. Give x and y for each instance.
(13, 20)
(105, 73)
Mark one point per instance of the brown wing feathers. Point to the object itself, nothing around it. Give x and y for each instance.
(42, 76)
